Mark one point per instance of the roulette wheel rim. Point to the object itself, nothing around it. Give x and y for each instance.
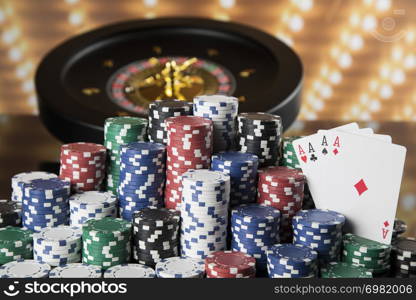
(69, 120)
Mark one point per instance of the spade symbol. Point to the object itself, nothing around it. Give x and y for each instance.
(324, 151)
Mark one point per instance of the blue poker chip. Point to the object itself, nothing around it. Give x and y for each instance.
(235, 157)
(51, 185)
(295, 254)
(143, 148)
(256, 212)
(319, 218)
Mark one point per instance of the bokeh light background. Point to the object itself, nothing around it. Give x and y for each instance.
(359, 55)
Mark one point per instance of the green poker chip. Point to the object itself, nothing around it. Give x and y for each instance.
(15, 237)
(344, 270)
(120, 131)
(354, 242)
(106, 227)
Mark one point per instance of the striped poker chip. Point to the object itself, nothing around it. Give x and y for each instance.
(180, 267)
(20, 179)
(25, 268)
(76, 270)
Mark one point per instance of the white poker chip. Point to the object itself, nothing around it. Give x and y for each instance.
(24, 269)
(92, 199)
(180, 267)
(130, 271)
(205, 177)
(58, 236)
(76, 270)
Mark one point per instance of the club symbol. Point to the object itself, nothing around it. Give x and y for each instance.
(313, 157)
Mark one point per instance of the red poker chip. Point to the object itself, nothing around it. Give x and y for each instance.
(281, 174)
(213, 274)
(282, 198)
(183, 122)
(82, 175)
(283, 192)
(81, 147)
(230, 262)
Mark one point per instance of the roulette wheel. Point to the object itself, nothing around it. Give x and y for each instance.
(119, 69)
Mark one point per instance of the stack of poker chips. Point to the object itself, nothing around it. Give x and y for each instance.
(189, 147)
(120, 131)
(142, 177)
(242, 169)
(83, 164)
(259, 134)
(292, 261)
(222, 110)
(289, 158)
(282, 188)
(399, 228)
(76, 270)
(254, 229)
(91, 205)
(58, 246)
(404, 257)
(20, 179)
(10, 213)
(344, 270)
(25, 268)
(180, 267)
(366, 253)
(307, 202)
(159, 111)
(130, 271)
(106, 242)
(230, 264)
(320, 230)
(45, 203)
(15, 243)
(204, 212)
(155, 235)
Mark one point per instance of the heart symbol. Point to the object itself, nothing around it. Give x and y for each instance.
(304, 158)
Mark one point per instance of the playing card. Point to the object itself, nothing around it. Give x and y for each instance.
(362, 182)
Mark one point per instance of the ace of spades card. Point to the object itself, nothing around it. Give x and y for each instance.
(359, 177)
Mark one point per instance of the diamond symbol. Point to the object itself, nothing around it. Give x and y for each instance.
(361, 187)
(335, 151)
(386, 224)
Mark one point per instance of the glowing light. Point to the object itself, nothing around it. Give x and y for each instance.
(365, 116)
(284, 38)
(369, 23)
(2, 16)
(326, 91)
(386, 91)
(24, 70)
(355, 19)
(32, 100)
(383, 5)
(76, 18)
(296, 23)
(310, 115)
(227, 3)
(356, 42)
(150, 15)
(28, 86)
(150, 3)
(397, 77)
(335, 77)
(374, 106)
(71, 2)
(397, 53)
(385, 72)
(410, 37)
(364, 99)
(373, 85)
(410, 61)
(345, 60)
(15, 54)
(222, 17)
(304, 5)
(10, 36)
(318, 105)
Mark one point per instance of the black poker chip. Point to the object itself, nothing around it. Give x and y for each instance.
(259, 134)
(399, 228)
(155, 235)
(159, 111)
(10, 213)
